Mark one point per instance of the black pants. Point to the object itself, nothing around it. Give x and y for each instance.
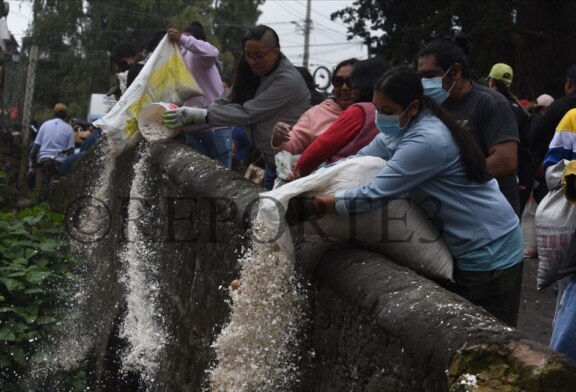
(496, 291)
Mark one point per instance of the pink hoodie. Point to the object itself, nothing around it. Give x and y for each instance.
(311, 124)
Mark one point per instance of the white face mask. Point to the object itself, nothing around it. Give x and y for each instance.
(433, 88)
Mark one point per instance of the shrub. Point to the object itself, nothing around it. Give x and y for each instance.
(35, 276)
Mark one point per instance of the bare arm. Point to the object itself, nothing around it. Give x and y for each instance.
(502, 159)
(325, 204)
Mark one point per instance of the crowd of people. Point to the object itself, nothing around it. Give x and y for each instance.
(474, 146)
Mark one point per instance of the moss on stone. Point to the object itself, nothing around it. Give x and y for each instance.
(513, 367)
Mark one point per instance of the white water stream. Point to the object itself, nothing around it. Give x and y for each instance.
(258, 349)
(142, 327)
(85, 225)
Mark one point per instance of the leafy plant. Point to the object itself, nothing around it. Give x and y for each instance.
(7, 192)
(35, 272)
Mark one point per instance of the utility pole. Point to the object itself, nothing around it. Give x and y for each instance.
(307, 28)
(30, 81)
(27, 113)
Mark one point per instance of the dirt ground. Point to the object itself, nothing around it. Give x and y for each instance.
(536, 307)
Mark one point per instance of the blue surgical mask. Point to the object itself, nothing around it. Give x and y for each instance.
(433, 88)
(389, 124)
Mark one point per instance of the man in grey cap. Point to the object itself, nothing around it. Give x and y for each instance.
(55, 141)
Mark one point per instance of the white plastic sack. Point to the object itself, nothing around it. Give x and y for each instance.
(529, 228)
(555, 223)
(285, 162)
(407, 236)
(164, 78)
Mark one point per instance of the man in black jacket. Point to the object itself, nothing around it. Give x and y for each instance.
(546, 127)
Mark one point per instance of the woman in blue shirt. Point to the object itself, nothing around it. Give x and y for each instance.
(440, 166)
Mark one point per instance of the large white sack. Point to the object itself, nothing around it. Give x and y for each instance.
(555, 223)
(164, 78)
(529, 228)
(400, 231)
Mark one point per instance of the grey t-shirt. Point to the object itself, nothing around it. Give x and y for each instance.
(487, 114)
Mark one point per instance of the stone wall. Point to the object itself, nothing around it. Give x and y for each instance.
(373, 325)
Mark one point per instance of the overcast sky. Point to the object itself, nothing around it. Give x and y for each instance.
(328, 43)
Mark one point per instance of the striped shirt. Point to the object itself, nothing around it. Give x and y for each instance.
(563, 144)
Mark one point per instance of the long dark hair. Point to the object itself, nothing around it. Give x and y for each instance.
(364, 75)
(120, 51)
(403, 86)
(506, 91)
(245, 81)
(343, 63)
(196, 30)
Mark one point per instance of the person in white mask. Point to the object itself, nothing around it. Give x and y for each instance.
(439, 166)
(443, 67)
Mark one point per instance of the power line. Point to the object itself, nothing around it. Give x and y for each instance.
(331, 44)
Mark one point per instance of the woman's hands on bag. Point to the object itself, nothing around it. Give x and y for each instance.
(302, 208)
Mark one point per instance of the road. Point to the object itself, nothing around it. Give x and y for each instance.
(536, 307)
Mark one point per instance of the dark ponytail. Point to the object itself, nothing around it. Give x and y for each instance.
(403, 86)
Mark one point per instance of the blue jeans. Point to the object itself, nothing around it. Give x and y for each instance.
(269, 177)
(243, 144)
(68, 163)
(564, 332)
(215, 144)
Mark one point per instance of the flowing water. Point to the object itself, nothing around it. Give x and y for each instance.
(258, 349)
(142, 326)
(88, 222)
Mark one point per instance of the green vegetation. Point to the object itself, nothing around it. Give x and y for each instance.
(36, 274)
(7, 192)
(516, 32)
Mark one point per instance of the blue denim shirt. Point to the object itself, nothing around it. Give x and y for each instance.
(426, 165)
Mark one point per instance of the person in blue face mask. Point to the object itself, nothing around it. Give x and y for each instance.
(437, 164)
(443, 67)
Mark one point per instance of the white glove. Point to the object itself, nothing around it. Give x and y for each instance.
(177, 117)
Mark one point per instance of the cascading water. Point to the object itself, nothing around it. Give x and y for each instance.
(85, 227)
(142, 327)
(88, 222)
(258, 349)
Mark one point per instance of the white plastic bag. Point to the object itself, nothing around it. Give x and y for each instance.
(285, 162)
(529, 228)
(555, 223)
(407, 237)
(164, 78)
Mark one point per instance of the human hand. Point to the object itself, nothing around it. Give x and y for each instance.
(300, 209)
(292, 176)
(177, 117)
(280, 133)
(174, 35)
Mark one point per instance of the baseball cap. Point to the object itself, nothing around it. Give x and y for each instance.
(544, 100)
(502, 72)
(60, 107)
